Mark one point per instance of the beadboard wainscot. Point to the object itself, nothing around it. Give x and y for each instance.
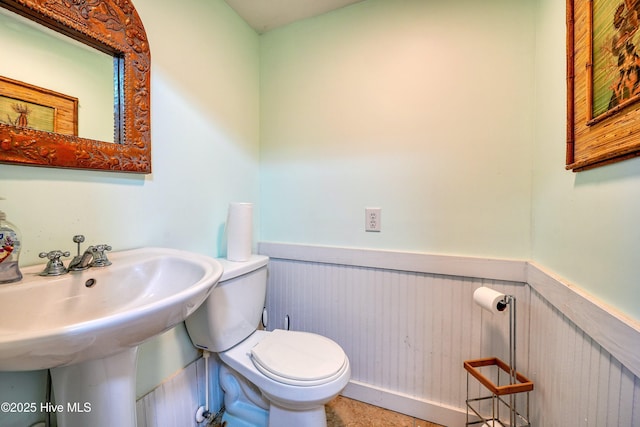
(174, 402)
(407, 321)
(585, 357)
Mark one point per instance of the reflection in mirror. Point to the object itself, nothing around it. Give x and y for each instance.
(112, 27)
(44, 58)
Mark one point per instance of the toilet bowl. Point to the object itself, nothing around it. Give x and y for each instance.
(271, 379)
(301, 403)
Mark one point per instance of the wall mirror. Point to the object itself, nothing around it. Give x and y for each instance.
(110, 126)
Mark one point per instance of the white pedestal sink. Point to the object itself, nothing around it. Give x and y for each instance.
(86, 326)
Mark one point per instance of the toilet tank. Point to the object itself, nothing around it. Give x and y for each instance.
(233, 310)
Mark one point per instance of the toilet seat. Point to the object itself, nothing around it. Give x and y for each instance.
(299, 358)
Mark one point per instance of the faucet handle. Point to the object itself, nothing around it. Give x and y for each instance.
(99, 256)
(55, 267)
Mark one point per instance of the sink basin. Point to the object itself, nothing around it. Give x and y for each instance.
(49, 322)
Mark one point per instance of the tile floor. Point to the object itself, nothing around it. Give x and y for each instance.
(344, 412)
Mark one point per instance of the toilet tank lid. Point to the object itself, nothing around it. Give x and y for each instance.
(233, 269)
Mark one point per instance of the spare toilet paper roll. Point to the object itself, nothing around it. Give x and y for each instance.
(239, 231)
(489, 299)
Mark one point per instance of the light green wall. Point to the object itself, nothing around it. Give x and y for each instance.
(205, 136)
(585, 225)
(422, 108)
(451, 117)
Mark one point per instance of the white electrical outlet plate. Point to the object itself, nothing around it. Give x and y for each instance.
(372, 220)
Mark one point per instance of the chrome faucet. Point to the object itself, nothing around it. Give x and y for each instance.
(93, 256)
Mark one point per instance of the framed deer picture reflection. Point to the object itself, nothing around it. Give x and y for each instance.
(28, 106)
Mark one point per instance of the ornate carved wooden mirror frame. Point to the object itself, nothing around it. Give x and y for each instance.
(114, 27)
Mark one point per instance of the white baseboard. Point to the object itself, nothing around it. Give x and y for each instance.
(419, 408)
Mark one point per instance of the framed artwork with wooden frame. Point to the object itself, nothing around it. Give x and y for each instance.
(603, 82)
(33, 107)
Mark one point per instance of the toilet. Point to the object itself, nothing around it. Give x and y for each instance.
(276, 379)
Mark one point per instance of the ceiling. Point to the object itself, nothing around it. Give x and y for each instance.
(265, 15)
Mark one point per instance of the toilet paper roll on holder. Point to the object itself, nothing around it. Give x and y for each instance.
(496, 302)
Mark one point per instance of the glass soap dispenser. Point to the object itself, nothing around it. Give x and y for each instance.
(9, 251)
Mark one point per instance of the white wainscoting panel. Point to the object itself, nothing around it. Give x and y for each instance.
(406, 332)
(578, 383)
(616, 333)
(174, 402)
